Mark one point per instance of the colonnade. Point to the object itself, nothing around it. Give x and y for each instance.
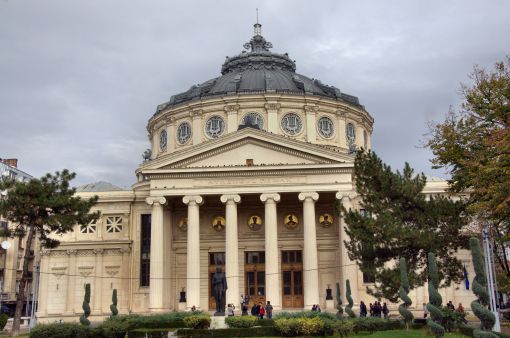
(272, 266)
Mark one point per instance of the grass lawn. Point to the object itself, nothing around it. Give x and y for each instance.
(403, 334)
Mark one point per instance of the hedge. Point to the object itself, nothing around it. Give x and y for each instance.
(241, 322)
(65, 330)
(467, 330)
(198, 322)
(264, 322)
(376, 324)
(3, 321)
(266, 331)
(148, 333)
(305, 314)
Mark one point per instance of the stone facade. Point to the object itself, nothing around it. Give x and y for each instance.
(257, 200)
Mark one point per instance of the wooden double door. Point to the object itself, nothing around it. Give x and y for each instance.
(255, 277)
(292, 279)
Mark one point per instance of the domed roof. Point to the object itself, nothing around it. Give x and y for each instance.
(259, 70)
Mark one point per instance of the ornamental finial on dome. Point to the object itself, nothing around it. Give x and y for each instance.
(257, 42)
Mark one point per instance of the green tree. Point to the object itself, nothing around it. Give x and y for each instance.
(86, 306)
(434, 306)
(113, 306)
(479, 306)
(348, 297)
(399, 221)
(473, 145)
(340, 312)
(40, 208)
(403, 291)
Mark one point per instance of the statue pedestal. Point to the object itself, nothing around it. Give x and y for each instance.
(181, 306)
(218, 322)
(330, 305)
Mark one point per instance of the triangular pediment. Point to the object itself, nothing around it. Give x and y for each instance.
(249, 147)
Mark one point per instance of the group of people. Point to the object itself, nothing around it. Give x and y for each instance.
(316, 307)
(449, 305)
(260, 310)
(376, 310)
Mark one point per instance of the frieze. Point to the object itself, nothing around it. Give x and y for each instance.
(272, 106)
(112, 270)
(87, 252)
(231, 107)
(251, 181)
(58, 271)
(85, 271)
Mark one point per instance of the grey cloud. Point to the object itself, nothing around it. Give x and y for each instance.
(79, 80)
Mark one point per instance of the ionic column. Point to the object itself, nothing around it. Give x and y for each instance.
(231, 248)
(71, 281)
(349, 269)
(273, 287)
(157, 263)
(310, 263)
(193, 251)
(98, 282)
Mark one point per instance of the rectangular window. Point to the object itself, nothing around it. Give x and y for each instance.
(368, 278)
(216, 258)
(145, 251)
(255, 257)
(293, 256)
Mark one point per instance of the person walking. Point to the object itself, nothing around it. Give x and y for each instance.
(230, 310)
(254, 310)
(269, 310)
(362, 309)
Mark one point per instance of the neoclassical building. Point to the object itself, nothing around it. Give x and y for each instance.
(244, 171)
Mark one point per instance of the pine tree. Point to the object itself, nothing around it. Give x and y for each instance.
(348, 296)
(86, 306)
(403, 293)
(479, 306)
(401, 222)
(340, 312)
(435, 299)
(39, 208)
(113, 306)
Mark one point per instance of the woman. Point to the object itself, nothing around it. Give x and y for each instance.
(230, 310)
(262, 311)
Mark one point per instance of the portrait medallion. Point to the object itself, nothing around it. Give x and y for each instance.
(255, 223)
(218, 223)
(183, 224)
(326, 220)
(291, 221)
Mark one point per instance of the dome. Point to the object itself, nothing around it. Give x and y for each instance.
(259, 70)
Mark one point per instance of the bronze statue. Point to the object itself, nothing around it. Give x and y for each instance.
(219, 286)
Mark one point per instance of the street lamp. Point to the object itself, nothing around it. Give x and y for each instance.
(489, 268)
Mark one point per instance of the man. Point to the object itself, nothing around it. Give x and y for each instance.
(269, 310)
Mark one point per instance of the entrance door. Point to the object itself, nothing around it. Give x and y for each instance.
(255, 277)
(215, 258)
(292, 278)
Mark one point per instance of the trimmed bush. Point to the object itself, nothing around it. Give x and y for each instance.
(86, 306)
(155, 321)
(341, 328)
(350, 302)
(434, 306)
(65, 330)
(267, 331)
(372, 324)
(3, 321)
(113, 307)
(340, 312)
(113, 327)
(402, 293)
(197, 322)
(300, 326)
(265, 322)
(479, 306)
(305, 314)
(239, 322)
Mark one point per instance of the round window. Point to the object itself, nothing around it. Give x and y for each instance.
(252, 119)
(325, 127)
(214, 126)
(183, 133)
(292, 124)
(162, 140)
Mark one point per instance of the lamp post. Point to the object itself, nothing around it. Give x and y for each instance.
(489, 269)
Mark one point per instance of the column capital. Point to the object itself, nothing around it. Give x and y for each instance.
(193, 199)
(270, 197)
(155, 199)
(345, 196)
(309, 194)
(232, 197)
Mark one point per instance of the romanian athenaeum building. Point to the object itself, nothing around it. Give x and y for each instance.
(244, 171)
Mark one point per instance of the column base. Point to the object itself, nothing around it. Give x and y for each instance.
(159, 310)
(181, 307)
(330, 304)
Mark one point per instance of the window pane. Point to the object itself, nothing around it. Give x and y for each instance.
(297, 283)
(285, 256)
(251, 283)
(299, 259)
(287, 283)
(261, 282)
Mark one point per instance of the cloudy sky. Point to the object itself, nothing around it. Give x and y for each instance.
(80, 79)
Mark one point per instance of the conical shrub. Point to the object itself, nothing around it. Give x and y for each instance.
(435, 299)
(350, 302)
(403, 294)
